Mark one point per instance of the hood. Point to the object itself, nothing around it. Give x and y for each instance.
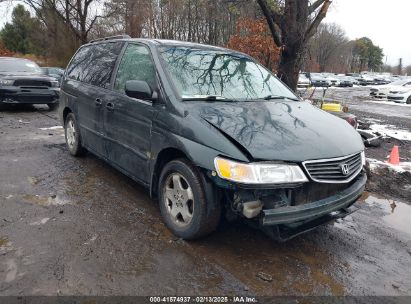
(281, 130)
(24, 75)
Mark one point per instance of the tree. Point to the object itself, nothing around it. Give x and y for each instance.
(253, 38)
(366, 55)
(329, 49)
(16, 36)
(80, 16)
(292, 24)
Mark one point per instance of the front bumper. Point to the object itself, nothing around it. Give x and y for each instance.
(32, 95)
(397, 98)
(312, 211)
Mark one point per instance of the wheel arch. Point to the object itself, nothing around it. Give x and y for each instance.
(164, 156)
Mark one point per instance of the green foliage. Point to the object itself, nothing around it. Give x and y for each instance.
(17, 35)
(368, 55)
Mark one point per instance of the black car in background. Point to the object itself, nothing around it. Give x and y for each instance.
(23, 82)
(53, 72)
(210, 131)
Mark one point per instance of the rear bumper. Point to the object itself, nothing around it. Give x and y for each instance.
(312, 211)
(15, 95)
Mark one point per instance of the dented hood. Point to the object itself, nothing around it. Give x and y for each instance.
(281, 130)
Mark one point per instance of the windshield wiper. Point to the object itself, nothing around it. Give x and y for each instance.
(272, 97)
(207, 98)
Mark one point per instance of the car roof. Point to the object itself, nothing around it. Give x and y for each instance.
(167, 42)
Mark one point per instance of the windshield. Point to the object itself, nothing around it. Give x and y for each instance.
(18, 65)
(201, 73)
(399, 82)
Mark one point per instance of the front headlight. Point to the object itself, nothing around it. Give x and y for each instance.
(6, 82)
(55, 84)
(258, 173)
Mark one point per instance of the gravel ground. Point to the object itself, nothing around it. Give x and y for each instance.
(76, 226)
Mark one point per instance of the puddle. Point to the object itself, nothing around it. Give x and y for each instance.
(41, 222)
(398, 214)
(52, 128)
(45, 200)
(3, 242)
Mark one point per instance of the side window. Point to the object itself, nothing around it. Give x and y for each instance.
(136, 64)
(95, 64)
(79, 63)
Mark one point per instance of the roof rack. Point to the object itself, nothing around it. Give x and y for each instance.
(111, 38)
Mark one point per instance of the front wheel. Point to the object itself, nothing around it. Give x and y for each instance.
(73, 136)
(183, 203)
(409, 100)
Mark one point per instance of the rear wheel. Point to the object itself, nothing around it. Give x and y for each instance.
(183, 203)
(73, 136)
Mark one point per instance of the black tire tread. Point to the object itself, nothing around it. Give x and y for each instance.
(212, 213)
(79, 151)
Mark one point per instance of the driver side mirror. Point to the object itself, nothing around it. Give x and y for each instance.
(139, 89)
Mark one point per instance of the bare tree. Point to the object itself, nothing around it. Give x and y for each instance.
(80, 16)
(292, 24)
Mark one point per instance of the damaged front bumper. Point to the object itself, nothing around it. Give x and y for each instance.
(314, 210)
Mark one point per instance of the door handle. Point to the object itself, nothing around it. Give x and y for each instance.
(110, 106)
(98, 102)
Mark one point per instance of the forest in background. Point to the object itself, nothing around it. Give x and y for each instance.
(50, 31)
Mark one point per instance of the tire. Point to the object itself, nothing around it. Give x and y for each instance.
(73, 136)
(408, 100)
(52, 106)
(181, 189)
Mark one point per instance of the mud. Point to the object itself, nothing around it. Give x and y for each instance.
(76, 226)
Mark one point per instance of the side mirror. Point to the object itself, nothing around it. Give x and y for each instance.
(139, 90)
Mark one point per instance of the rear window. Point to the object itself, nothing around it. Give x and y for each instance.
(94, 64)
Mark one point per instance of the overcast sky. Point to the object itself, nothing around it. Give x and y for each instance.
(386, 22)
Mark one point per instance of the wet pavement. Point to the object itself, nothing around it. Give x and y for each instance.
(76, 226)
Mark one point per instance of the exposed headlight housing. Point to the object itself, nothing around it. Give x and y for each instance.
(258, 173)
(6, 82)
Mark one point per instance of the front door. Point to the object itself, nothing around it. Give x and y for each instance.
(128, 121)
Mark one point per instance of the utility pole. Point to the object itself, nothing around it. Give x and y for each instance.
(400, 67)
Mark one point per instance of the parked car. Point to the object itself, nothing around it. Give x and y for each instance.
(209, 130)
(383, 91)
(345, 81)
(303, 81)
(22, 82)
(319, 81)
(332, 79)
(365, 80)
(401, 95)
(53, 72)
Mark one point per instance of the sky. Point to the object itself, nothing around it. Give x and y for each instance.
(385, 22)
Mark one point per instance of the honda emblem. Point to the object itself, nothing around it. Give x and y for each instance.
(345, 169)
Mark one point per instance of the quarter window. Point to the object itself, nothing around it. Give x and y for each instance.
(136, 64)
(94, 64)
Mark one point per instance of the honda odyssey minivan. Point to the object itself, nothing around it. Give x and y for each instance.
(211, 133)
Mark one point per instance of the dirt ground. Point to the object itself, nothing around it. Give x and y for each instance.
(76, 226)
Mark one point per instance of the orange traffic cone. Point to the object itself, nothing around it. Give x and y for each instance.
(394, 156)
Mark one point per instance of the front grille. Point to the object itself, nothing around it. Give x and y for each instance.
(31, 83)
(332, 170)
